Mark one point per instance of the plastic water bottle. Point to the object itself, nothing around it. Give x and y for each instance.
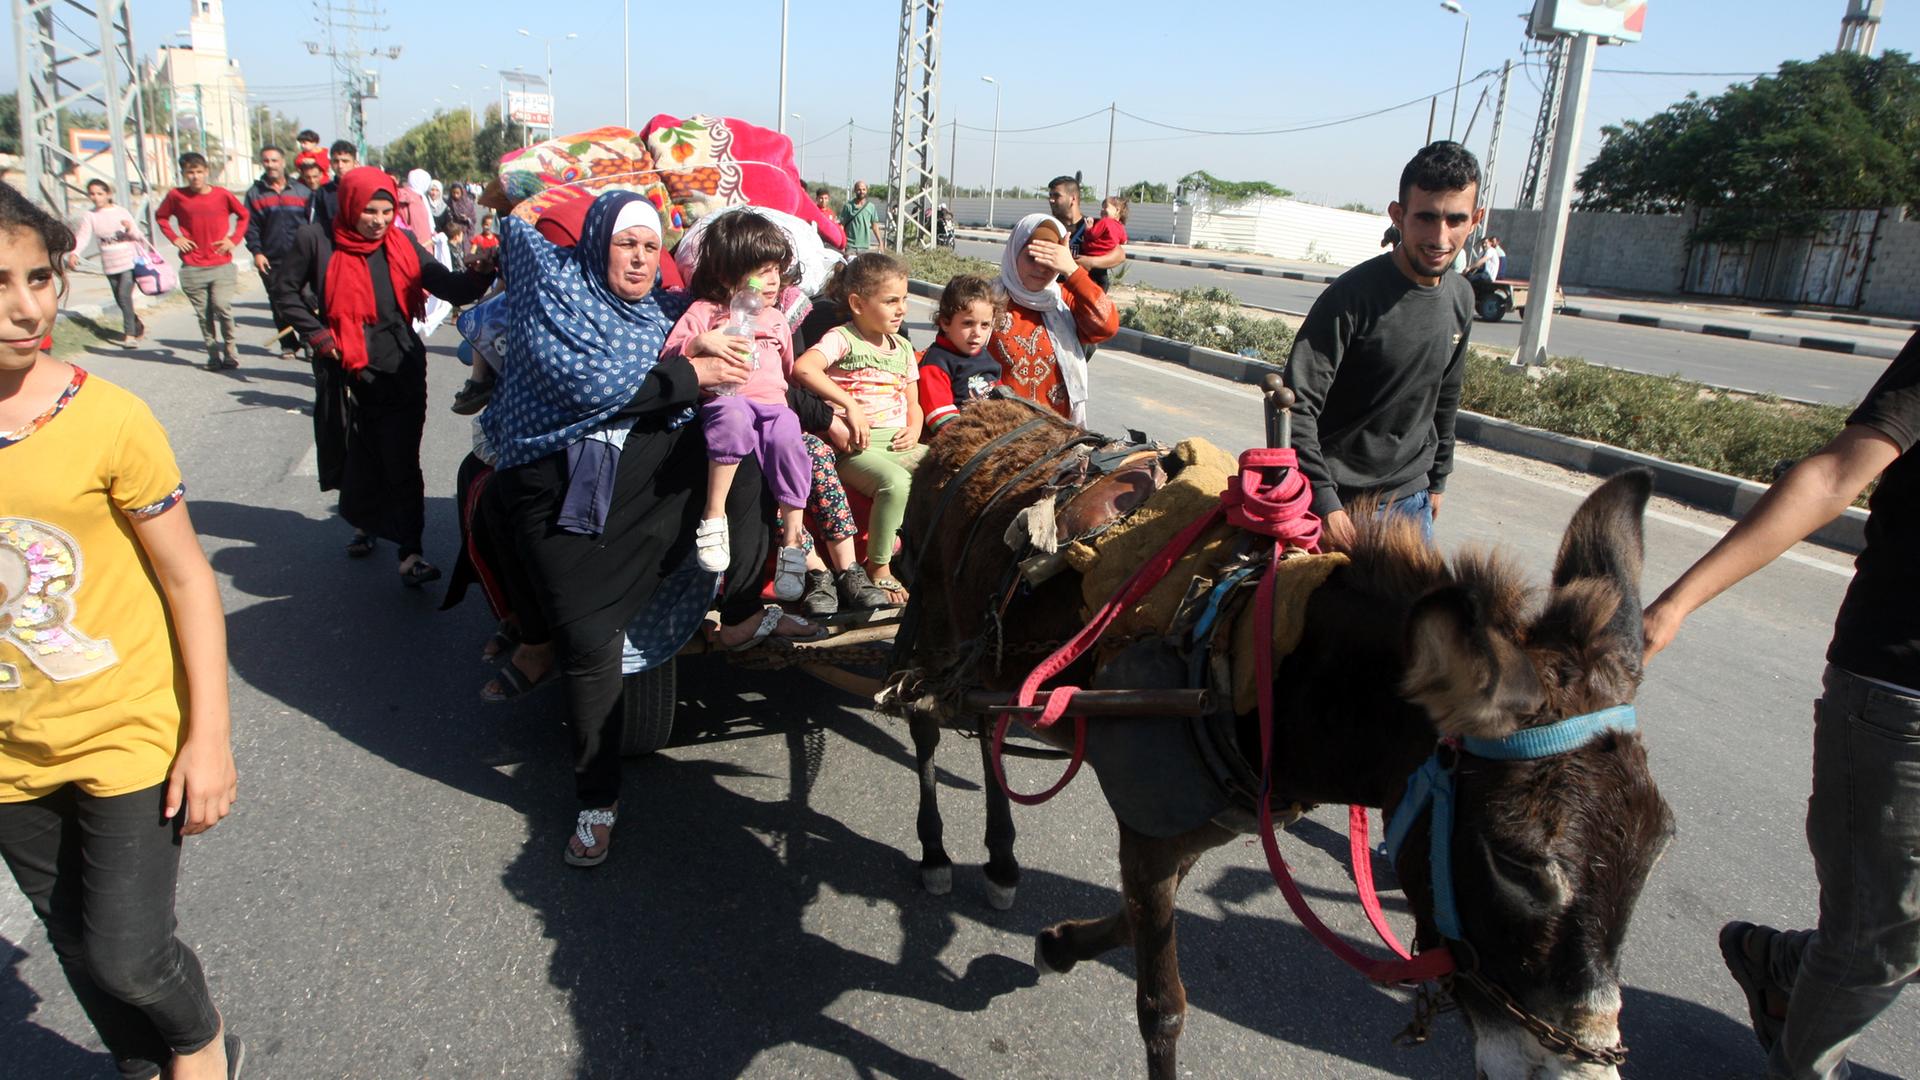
(742, 312)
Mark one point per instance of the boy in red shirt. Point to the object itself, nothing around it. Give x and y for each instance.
(310, 151)
(206, 223)
(956, 368)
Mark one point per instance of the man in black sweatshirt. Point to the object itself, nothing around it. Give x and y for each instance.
(1378, 362)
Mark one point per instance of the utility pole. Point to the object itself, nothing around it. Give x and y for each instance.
(342, 23)
(1548, 246)
(849, 157)
(1543, 129)
(62, 65)
(914, 153)
(953, 158)
(1106, 184)
(783, 68)
(1433, 108)
(1493, 151)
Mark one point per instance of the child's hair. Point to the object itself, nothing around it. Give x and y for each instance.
(190, 159)
(19, 214)
(965, 290)
(96, 182)
(308, 135)
(735, 245)
(1120, 207)
(862, 274)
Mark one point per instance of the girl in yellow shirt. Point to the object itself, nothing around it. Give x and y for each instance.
(113, 679)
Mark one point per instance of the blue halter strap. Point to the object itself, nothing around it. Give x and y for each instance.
(1431, 786)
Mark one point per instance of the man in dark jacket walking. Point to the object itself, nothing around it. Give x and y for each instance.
(1377, 363)
(276, 208)
(325, 202)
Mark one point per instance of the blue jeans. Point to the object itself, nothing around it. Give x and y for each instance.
(1418, 506)
(1863, 827)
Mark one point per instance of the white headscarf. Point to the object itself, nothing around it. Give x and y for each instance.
(418, 179)
(1053, 311)
(636, 212)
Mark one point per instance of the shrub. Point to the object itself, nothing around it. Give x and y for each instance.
(939, 265)
(1214, 318)
(1665, 416)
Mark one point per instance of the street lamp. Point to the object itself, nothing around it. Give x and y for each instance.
(993, 171)
(552, 110)
(800, 149)
(781, 111)
(1460, 68)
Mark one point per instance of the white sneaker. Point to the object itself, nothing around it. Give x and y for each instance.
(790, 574)
(711, 547)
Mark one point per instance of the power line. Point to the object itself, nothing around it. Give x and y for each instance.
(1686, 74)
(1315, 126)
(1042, 127)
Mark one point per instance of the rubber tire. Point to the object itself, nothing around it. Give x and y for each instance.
(1491, 307)
(649, 699)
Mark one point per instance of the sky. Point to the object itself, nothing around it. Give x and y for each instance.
(1250, 65)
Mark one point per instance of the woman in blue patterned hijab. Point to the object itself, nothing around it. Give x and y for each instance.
(587, 331)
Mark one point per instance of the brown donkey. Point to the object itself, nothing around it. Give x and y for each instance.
(1402, 649)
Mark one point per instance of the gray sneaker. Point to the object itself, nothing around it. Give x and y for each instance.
(858, 592)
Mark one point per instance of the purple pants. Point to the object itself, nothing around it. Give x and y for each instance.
(737, 427)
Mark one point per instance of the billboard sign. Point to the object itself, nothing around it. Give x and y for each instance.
(1620, 20)
(531, 108)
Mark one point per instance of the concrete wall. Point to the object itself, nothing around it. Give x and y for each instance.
(1634, 252)
(1288, 229)
(1893, 274)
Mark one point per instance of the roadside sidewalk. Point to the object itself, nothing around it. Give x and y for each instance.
(90, 297)
(1821, 331)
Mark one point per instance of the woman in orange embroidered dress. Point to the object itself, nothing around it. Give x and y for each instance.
(1050, 327)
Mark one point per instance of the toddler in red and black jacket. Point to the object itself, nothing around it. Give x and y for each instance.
(956, 368)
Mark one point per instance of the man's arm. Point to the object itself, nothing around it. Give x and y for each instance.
(1812, 493)
(1446, 413)
(1103, 262)
(253, 227)
(168, 207)
(1311, 368)
(241, 218)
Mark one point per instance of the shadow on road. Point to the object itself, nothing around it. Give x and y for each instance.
(28, 1045)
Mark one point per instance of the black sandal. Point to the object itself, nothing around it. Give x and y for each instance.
(360, 546)
(419, 574)
(1753, 979)
(515, 683)
(503, 642)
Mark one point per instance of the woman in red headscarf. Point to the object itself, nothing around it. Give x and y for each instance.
(372, 281)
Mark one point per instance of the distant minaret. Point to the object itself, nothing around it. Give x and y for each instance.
(1861, 26)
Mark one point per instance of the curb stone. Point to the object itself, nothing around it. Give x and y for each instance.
(1743, 333)
(1701, 488)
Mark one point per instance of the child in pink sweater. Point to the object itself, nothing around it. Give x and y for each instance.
(755, 419)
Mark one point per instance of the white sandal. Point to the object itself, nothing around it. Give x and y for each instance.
(790, 574)
(770, 620)
(592, 852)
(711, 547)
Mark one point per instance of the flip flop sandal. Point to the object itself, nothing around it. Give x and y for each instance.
(504, 639)
(896, 592)
(515, 683)
(770, 620)
(790, 574)
(236, 1056)
(594, 846)
(419, 574)
(1752, 978)
(360, 546)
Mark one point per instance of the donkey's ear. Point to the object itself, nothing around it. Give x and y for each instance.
(1606, 540)
(1471, 678)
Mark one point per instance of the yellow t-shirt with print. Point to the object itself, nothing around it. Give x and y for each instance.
(92, 690)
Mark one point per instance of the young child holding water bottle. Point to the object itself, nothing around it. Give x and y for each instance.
(743, 258)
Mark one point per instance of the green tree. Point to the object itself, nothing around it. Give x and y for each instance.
(442, 144)
(1147, 191)
(495, 139)
(1840, 132)
(1200, 182)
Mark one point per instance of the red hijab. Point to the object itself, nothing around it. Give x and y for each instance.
(349, 298)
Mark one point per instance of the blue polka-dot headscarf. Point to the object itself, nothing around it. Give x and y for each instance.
(578, 351)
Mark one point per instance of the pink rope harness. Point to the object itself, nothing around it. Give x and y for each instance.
(1270, 497)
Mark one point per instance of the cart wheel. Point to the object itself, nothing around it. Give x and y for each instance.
(649, 703)
(1493, 307)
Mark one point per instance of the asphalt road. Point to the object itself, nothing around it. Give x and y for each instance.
(389, 899)
(1741, 365)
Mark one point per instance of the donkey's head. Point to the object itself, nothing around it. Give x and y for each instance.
(1548, 855)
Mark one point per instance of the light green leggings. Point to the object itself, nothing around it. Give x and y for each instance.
(884, 476)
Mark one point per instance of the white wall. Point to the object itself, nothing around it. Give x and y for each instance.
(1288, 229)
(1146, 222)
